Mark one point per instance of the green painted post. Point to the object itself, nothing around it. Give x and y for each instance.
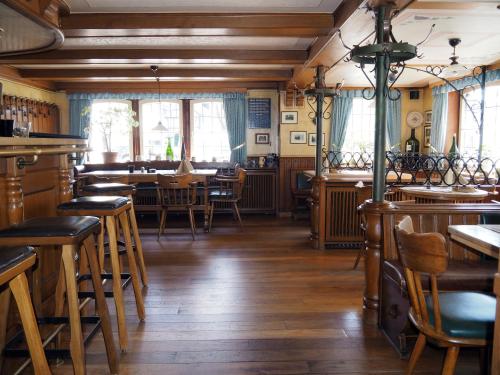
(380, 113)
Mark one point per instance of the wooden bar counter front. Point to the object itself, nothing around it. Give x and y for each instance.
(35, 176)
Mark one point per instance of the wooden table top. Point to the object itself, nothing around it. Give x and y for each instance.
(483, 237)
(138, 176)
(444, 192)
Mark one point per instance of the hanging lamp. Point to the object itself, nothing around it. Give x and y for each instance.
(455, 69)
(159, 127)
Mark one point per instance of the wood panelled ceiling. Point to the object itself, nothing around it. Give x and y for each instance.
(110, 44)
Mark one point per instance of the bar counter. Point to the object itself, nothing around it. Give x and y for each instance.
(35, 176)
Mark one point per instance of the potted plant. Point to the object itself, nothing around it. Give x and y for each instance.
(106, 120)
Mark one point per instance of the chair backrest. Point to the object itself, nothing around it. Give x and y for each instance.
(176, 190)
(232, 184)
(104, 179)
(240, 184)
(421, 253)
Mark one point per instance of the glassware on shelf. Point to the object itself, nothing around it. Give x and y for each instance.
(21, 129)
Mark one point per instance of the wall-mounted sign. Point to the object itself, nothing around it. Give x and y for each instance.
(259, 113)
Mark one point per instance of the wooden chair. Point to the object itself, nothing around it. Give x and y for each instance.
(176, 192)
(451, 319)
(229, 190)
(301, 188)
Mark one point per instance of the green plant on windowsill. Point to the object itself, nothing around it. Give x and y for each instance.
(106, 121)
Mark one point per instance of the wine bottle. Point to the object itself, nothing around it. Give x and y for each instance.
(412, 144)
(170, 152)
(454, 151)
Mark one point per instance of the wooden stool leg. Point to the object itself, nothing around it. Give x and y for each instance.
(76, 344)
(60, 298)
(138, 245)
(100, 244)
(132, 265)
(415, 354)
(102, 307)
(4, 314)
(20, 290)
(450, 360)
(117, 283)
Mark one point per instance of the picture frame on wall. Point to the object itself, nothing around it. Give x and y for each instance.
(311, 139)
(289, 117)
(261, 138)
(298, 137)
(428, 117)
(427, 136)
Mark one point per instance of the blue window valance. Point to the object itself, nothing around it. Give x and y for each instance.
(460, 84)
(152, 95)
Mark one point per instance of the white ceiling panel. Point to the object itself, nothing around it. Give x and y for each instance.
(197, 6)
(187, 42)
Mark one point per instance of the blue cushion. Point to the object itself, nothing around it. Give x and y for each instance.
(465, 314)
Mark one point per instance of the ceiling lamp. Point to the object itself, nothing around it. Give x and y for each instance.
(455, 69)
(159, 127)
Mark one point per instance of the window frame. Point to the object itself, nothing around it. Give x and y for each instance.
(131, 133)
(141, 117)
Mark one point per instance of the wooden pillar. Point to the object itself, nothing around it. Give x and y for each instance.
(318, 212)
(186, 126)
(136, 132)
(374, 248)
(14, 190)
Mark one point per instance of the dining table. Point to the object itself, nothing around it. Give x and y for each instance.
(201, 176)
(484, 238)
(444, 194)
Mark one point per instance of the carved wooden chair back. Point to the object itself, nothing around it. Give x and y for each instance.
(176, 190)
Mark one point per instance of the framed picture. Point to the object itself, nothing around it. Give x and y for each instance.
(289, 117)
(311, 139)
(298, 137)
(261, 138)
(428, 117)
(427, 136)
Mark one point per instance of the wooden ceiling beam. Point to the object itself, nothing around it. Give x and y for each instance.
(179, 74)
(169, 24)
(212, 86)
(160, 56)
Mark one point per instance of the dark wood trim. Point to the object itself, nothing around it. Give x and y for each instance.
(136, 131)
(210, 86)
(171, 74)
(186, 125)
(160, 56)
(192, 24)
(12, 74)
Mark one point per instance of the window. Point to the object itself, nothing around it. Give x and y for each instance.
(361, 127)
(209, 137)
(154, 142)
(110, 129)
(469, 130)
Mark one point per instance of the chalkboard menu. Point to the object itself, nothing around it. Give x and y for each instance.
(259, 113)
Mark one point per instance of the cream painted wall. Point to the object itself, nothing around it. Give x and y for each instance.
(304, 123)
(407, 106)
(258, 150)
(59, 98)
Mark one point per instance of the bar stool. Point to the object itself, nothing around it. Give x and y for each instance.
(124, 190)
(14, 261)
(72, 234)
(110, 210)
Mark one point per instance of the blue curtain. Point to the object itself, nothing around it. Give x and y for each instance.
(491, 75)
(342, 107)
(439, 121)
(394, 124)
(78, 120)
(235, 109)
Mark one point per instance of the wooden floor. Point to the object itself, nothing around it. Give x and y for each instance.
(257, 301)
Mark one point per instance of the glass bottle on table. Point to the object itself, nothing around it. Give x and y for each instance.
(169, 153)
(412, 144)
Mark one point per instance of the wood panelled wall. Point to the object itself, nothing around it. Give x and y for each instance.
(44, 117)
(287, 178)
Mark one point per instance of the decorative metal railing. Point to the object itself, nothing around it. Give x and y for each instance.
(416, 168)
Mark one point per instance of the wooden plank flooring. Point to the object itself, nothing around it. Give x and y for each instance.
(257, 301)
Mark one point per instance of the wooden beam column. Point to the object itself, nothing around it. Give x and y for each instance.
(186, 126)
(136, 131)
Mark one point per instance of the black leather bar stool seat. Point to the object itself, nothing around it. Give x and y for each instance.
(124, 190)
(114, 213)
(94, 203)
(72, 233)
(14, 261)
(109, 188)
